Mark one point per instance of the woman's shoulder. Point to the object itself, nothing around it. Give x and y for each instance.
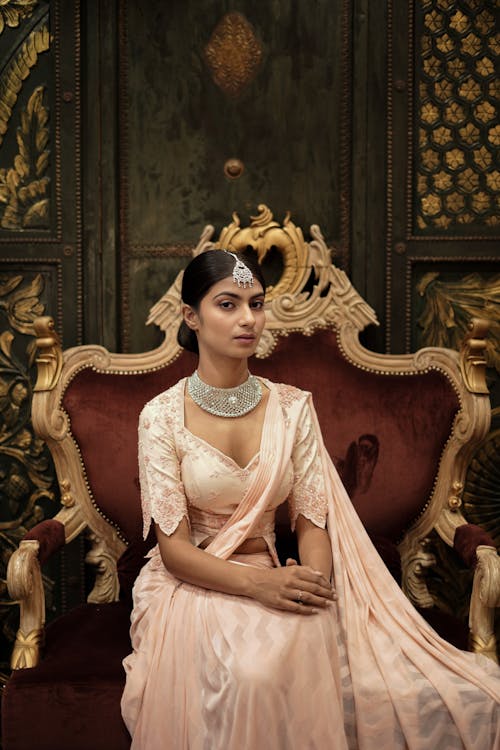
(165, 402)
(289, 395)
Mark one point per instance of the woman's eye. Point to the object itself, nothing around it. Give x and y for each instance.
(258, 304)
(226, 304)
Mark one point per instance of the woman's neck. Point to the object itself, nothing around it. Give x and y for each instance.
(227, 374)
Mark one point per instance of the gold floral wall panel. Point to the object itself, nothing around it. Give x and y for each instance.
(442, 263)
(457, 177)
(221, 111)
(40, 257)
(443, 93)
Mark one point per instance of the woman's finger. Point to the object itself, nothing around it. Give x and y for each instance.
(311, 600)
(293, 606)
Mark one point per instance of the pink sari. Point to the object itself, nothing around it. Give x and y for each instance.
(218, 672)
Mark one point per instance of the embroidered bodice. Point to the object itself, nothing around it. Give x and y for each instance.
(183, 476)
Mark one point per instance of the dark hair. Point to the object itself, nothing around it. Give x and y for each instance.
(202, 273)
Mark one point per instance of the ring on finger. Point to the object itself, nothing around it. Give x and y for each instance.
(299, 598)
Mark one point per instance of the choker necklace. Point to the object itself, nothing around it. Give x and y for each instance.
(225, 402)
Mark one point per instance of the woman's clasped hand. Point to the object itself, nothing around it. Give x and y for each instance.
(293, 588)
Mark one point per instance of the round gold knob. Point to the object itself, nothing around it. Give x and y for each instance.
(233, 168)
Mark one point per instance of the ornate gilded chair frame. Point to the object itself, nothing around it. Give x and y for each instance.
(332, 303)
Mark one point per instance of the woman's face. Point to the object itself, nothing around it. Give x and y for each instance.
(229, 320)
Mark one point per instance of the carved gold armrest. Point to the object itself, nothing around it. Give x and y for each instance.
(485, 597)
(24, 579)
(25, 584)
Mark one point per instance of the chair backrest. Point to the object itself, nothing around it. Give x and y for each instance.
(397, 426)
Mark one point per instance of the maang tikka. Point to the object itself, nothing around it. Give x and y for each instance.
(242, 275)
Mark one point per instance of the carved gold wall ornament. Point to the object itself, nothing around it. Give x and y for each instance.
(13, 11)
(449, 306)
(233, 54)
(24, 188)
(456, 105)
(17, 71)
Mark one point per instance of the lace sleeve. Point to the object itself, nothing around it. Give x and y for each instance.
(162, 492)
(308, 496)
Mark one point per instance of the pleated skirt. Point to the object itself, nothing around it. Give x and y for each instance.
(211, 671)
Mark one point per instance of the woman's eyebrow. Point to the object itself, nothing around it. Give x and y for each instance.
(237, 296)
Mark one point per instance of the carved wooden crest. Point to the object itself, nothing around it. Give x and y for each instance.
(293, 304)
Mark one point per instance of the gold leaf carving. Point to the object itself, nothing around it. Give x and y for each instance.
(24, 188)
(17, 71)
(449, 306)
(233, 54)
(13, 11)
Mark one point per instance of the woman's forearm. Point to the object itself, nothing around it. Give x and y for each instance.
(273, 587)
(194, 565)
(314, 546)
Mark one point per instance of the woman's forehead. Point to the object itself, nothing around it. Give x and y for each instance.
(229, 287)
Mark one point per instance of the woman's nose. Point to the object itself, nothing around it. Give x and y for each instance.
(247, 316)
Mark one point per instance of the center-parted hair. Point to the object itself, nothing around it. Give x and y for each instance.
(200, 275)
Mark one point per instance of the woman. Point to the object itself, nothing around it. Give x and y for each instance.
(230, 649)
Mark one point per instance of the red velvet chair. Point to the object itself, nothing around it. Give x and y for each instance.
(401, 430)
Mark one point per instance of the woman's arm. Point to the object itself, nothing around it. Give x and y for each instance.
(274, 587)
(314, 546)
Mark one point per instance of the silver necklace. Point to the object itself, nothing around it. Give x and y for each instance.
(225, 402)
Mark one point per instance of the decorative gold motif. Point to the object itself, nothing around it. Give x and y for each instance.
(25, 584)
(414, 571)
(24, 189)
(26, 479)
(485, 598)
(106, 587)
(13, 11)
(67, 498)
(449, 306)
(456, 104)
(485, 647)
(454, 500)
(50, 358)
(472, 356)
(233, 54)
(17, 71)
(26, 651)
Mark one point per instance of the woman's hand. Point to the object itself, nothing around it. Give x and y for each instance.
(294, 588)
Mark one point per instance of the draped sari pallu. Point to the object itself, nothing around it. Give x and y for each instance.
(210, 671)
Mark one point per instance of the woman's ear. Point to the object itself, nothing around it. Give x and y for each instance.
(190, 317)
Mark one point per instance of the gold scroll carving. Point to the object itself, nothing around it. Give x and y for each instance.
(17, 71)
(24, 188)
(12, 12)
